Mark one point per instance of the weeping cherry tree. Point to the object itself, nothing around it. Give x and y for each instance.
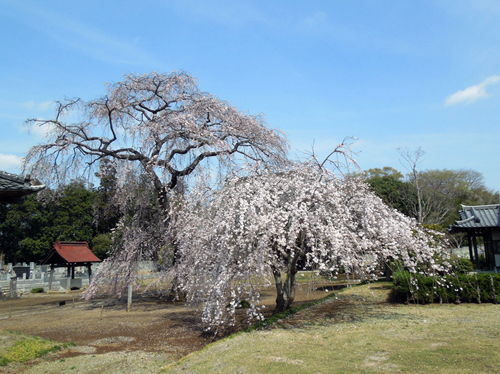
(264, 222)
(156, 130)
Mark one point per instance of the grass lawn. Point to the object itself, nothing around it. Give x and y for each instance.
(20, 348)
(361, 333)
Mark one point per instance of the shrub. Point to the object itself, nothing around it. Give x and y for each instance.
(423, 289)
(462, 265)
(37, 290)
(483, 264)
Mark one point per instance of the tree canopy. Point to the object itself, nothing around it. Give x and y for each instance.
(441, 192)
(152, 131)
(162, 124)
(266, 221)
(208, 193)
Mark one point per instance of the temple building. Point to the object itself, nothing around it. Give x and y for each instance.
(481, 224)
(14, 187)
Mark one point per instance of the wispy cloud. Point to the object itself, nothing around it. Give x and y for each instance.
(39, 107)
(87, 38)
(9, 161)
(472, 93)
(318, 21)
(41, 131)
(224, 12)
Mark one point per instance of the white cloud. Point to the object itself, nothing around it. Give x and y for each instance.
(318, 21)
(41, 130)
(472, 93)
(9, 161)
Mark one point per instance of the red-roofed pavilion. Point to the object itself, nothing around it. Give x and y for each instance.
(70, 255)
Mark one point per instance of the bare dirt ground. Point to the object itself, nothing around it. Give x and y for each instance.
(110, 339)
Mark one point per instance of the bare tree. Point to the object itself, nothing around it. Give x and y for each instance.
(412, 161)
(162, 122)
(435, 195)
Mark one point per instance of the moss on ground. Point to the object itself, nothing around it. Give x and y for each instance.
(22, 348)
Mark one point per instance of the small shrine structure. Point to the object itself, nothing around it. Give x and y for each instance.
(70, 255)
(481, 223)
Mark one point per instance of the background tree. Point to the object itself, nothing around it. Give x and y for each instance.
(15, 223)
(73, 219)
(106, 210)
(388, 184)
(442, 191)
(412, 160)
(29, 230)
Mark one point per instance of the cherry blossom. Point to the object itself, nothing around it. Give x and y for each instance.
(266, 221)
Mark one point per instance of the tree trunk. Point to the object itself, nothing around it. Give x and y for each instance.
(280, 294)
(285, 291)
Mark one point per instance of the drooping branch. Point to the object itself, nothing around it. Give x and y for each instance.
(266, 221)
(156, 120)
(155, 130)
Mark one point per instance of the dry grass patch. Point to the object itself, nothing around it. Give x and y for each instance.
(361, 333)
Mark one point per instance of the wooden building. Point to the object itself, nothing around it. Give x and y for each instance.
(481, 224)
(14, 187)
(70, 255)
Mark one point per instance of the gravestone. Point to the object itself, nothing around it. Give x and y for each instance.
(20, 270)
(66, 284)
(13, 287)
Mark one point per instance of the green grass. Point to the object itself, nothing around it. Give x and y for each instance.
(359, 333)
(277, 317)
(22, 348)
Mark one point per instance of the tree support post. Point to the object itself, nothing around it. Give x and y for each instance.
(51, 277)
(129, 300)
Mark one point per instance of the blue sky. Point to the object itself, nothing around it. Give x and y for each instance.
(391, 73)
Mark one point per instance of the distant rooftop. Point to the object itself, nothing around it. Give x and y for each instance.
(13, 187)
(78, 253)
(478, 216)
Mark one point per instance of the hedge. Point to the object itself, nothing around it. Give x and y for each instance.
(454, 288)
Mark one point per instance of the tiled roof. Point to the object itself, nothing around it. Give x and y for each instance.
(478, 216)
(12, 187)
(71, 252)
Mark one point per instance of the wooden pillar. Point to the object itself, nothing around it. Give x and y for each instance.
(474, 241)
(73, 271)
(89, 268)
(469, 240)
(489, 250)
(68, 272)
